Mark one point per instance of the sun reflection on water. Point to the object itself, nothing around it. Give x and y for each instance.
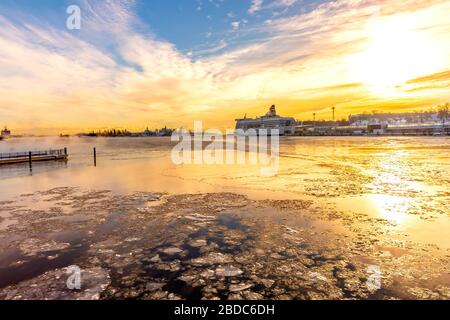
(392, 208)
(395, 192)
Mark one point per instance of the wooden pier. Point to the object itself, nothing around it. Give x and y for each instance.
(33, 156)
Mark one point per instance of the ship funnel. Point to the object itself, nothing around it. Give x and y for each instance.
(273, 110)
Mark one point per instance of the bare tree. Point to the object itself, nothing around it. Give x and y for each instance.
(444, 112)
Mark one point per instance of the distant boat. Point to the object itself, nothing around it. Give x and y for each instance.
(270, 121)
(5, 133)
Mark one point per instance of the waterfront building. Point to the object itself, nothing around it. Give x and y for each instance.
(164, 132)
(395, 118)
(147, 133)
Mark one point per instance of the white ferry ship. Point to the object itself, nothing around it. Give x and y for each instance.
(269, 121)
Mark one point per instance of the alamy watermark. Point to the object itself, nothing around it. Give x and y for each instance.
(258, 147)
(74, 280)
(374, 278)
(73, 21)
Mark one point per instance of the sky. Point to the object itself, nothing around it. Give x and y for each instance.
(135, 64)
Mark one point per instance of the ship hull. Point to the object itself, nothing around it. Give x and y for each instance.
(259, 132)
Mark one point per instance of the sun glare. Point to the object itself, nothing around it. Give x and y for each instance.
(396, 52)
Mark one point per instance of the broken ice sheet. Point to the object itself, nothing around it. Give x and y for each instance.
(52, 285)
(33, 246)
(212, 246)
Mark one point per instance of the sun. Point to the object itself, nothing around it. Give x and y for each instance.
(396, 51)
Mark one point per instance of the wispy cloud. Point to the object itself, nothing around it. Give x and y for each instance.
(116, 72)
(436, 77)
(256, 6)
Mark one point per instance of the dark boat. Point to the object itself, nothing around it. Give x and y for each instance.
(5, 133)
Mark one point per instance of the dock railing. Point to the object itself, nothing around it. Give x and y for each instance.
(18, 155)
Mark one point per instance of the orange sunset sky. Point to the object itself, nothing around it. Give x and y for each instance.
(129, 69)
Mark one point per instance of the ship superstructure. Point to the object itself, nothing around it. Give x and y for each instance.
(285, 125)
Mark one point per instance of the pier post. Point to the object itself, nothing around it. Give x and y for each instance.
(30, 161)
(95, 157)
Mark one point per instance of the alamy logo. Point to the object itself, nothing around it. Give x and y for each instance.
(74, 280)
(253, 147)
(374, 278)
(73, 22)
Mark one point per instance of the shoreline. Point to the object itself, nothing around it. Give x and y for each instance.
(224, 136)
